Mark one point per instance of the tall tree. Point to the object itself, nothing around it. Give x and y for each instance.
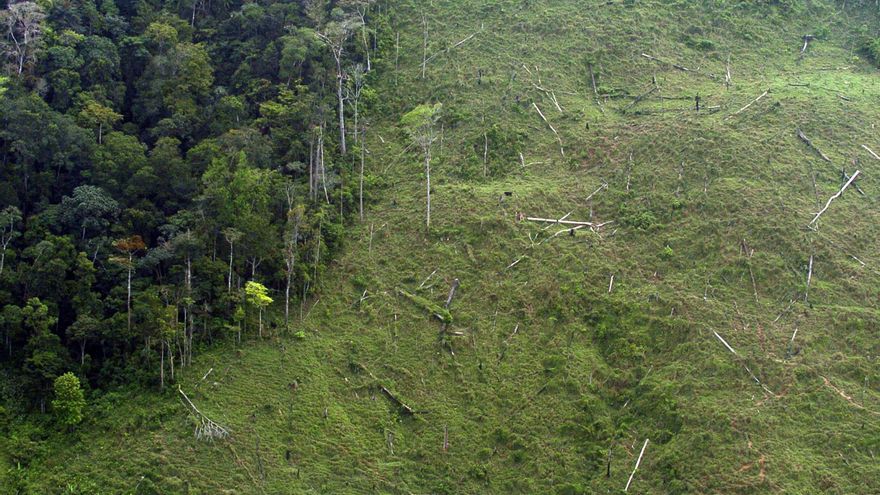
(420, 124)
(128, 246)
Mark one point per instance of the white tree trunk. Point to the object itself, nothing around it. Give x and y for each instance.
(340, 100)
(428, 176)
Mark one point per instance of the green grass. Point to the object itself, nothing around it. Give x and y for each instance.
(550, 368)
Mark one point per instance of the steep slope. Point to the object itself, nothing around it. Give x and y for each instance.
(566, 353)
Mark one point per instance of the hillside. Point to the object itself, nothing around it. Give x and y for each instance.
(702, 310)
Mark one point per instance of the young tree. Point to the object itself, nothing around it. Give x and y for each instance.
(335, 35)
(232, 236)
(69, 400)
(420, 124)
(96, 116)
(23, 22)
(9, 216)
(257, 295)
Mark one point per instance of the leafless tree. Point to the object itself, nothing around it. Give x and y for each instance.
(353, 91)
(335, 34)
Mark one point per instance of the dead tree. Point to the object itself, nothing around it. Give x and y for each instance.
(24, 26)
(206, 428)
(335, 35)
(807, 39)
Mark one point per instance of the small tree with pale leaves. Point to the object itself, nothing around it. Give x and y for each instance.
(257, 296)
(420, 124)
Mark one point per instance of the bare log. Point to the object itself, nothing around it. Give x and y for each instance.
(725, 343)
(809, 143)
(639, 461)
(756, 100)
(832, 198)
(869, 150)
(562, 221)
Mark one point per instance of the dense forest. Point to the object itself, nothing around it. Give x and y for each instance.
(168, 170)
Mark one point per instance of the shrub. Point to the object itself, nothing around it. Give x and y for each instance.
(69, 401)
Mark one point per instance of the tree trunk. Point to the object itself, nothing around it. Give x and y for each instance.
(360, 187)
(341, 108)
(287, 301)
(312, 168)
(162, 368)
(260, 318)
(128, 297)
(428, 175)
(230, 267)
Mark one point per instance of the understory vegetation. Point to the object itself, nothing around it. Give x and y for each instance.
(517, 246)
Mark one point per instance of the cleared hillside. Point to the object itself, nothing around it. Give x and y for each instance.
(705, 315)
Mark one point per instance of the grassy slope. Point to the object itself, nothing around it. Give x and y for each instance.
(534, 411)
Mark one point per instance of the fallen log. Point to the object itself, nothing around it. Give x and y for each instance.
(640, 98)
(387, 392)
(809, 143)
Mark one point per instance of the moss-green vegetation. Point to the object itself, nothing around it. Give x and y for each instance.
(566, 351)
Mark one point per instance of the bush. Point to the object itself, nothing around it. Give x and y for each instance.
(873, 50)
(69, 401)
